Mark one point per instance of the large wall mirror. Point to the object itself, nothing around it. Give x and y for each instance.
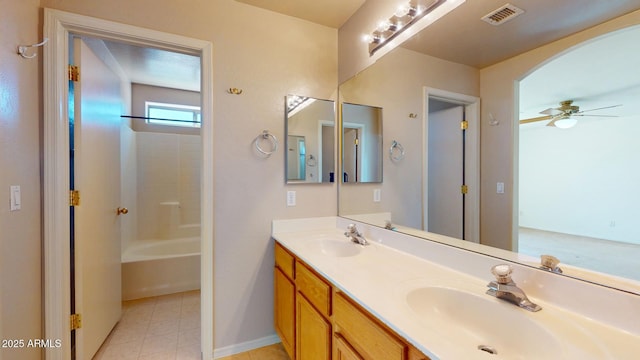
(525, 211)
(310, 143)
(361, 127)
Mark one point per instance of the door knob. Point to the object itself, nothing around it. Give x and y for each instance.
(122, 211)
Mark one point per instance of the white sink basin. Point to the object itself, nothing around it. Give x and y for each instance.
(335, 247)
(483, 325)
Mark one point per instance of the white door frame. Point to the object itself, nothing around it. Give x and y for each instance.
(57, 27)
(472, 168)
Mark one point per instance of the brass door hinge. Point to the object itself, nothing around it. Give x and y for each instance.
(464, 189)
(464, 125)
(74, 73)
(76, 321)
(356, 142)
(74, 197)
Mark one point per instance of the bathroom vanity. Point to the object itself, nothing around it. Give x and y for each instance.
(405, 298)
(316, 320)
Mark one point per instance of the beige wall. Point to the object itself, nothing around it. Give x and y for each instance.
(268, 56)
(498, 84)
(20, 238)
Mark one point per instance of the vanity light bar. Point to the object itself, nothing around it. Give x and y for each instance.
(405, 16)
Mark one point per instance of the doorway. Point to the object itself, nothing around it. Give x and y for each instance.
(450, 152)
(58, 26)
(352, 155)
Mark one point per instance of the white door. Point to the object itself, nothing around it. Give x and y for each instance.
(445, 171)
(96, 162)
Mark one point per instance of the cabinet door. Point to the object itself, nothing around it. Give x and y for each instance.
(284, 311)
(364, 334)
(343, 351)
(313, 332)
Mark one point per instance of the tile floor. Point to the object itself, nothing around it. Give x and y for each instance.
(167, 328)
(158, 328)
(272, 352)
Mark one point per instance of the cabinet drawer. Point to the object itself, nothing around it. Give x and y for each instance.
(368, 338)
(314, 289)
(415, 354)
(284, 261)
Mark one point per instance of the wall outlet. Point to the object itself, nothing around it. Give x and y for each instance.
(500, 188)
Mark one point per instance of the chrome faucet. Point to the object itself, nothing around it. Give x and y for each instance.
(550, 263)
(504, 288)
(354, 235)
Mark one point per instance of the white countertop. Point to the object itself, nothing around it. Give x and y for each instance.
(381, 275)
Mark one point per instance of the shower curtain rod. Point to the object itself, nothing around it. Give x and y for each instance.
(153, 118)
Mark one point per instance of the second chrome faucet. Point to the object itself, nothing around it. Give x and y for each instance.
(354, 235)
(505, 288)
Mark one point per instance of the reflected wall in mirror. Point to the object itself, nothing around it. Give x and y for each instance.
(361, 143)
(397, 81)
(310, 144)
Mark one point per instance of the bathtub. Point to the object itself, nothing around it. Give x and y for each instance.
(160, 267)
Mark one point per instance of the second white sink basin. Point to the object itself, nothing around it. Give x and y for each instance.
(335, 247)
(483, 325)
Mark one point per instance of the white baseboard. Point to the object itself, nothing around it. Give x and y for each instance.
(245, 346)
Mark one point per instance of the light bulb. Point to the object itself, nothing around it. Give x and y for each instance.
(403, 10)
(383, 26)
(367, 38)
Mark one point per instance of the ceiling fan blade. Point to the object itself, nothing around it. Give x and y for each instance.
(595, 115)
(535, 119)
(601, 108)
(552, 123)
(551, 111)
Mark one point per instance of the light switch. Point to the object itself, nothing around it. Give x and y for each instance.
(500, 188)
(16, 198)
(291, 198)
(376, 195)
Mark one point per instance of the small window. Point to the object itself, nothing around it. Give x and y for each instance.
(172, 114)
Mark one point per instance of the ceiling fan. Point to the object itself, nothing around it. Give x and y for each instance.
(564, 116)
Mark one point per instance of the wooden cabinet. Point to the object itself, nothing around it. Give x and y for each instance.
(313, 326)
(316, 322)
(284, 302)
(344, 351)
(364, 334)
(313, 332)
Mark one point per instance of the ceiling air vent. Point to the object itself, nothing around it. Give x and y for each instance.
(502, 14)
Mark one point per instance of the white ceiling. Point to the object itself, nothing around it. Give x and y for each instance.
(157, 67)
(332, 13)
(463, 38)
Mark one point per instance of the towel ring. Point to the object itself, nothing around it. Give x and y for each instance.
(312, 161)
(272, 140)
(396, 151)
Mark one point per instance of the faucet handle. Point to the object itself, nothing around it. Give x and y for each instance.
(502, 272)
(549, 262)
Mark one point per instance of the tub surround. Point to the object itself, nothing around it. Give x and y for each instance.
(154, 268)
(380, 276)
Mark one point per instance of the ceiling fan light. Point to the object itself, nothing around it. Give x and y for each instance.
(565, 123)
